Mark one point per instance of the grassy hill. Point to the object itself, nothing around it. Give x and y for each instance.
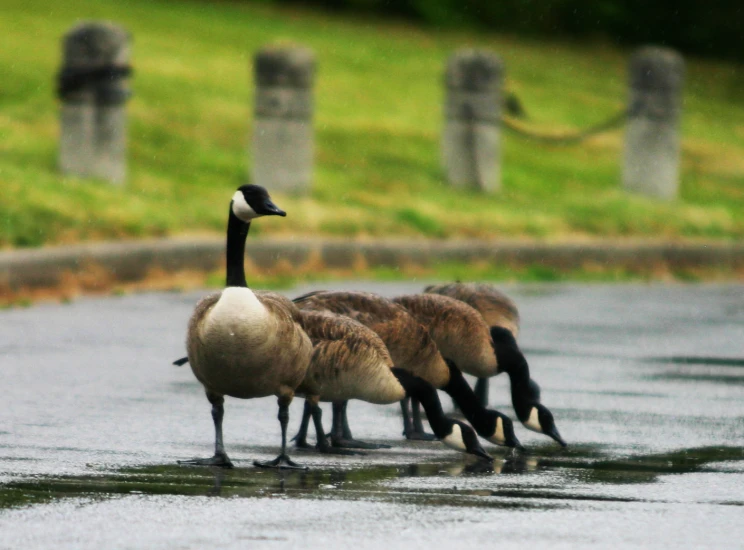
(378, 120)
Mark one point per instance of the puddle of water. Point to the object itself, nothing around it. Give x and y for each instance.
(584, 466)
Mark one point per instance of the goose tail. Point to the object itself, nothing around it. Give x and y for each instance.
(307, 296)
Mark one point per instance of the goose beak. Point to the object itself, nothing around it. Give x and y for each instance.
(270, 209)
(481, 453)
(514, 443)
(553, 432)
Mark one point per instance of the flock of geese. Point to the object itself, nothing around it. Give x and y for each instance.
(335, 346)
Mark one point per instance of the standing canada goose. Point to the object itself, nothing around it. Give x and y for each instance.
(350, 361)
(502, 317)
(245, 344)
(412, 349)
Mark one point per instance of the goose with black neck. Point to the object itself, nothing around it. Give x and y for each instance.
(246, 344)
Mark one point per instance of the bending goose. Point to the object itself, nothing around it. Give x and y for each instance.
(502, 317)
(412, 349)
(246, 344)
(350, 361)
(497, 309)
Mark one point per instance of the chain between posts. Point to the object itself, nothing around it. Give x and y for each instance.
(616, 121)
(72, 79)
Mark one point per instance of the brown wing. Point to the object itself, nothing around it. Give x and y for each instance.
(278, 302)
(409, 343)
(349, 361)
(459, 331)
(288, 329)
(496, 308)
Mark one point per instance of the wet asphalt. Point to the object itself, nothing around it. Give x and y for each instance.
(646, 383)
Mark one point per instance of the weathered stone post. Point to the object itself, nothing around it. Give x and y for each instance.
(283, 132)
(471, 149)
(652, 141)
(93, 89)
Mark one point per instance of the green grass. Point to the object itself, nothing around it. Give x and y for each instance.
(378, 121)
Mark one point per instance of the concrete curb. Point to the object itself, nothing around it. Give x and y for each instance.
(134, 260)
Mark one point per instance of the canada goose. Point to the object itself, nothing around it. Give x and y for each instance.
(502, 317)
(496, 308)
(245, 344)
(350, 361)
(412, 349)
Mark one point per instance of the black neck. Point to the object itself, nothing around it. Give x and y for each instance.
(520, 401)
(420, 389)
(237, 231)
(468, 403)
(512, 361)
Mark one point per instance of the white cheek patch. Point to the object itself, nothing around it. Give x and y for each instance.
(242, 209)
(498, 436)
(533, 422)
(454, 440)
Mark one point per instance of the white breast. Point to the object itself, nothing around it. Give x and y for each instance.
(238, 310)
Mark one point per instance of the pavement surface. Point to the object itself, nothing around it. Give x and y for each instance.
(646, 383)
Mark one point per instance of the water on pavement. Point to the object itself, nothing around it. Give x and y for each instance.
(646, 383)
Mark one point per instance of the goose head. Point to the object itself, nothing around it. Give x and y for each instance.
(525, 391)
(252, 201)
(463, 438)
(502, 430)
(540, 420)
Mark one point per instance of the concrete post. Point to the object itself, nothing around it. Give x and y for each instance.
(471, 149)
(652, 142)
(93, 89)
(283, 133)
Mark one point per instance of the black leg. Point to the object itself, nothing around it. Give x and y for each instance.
(301, 438)
(406, 412)
(481, 391)
(337, 420)
(345, 421)
(283, 460)
(220, 456)
(340, 429)
(323, 445)
(413, 428)
(418, 425)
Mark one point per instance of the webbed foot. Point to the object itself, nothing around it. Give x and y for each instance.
(220, 460)
(302, 444)
(331, 450)
(282, 461)
(344, 443)
(420, 436)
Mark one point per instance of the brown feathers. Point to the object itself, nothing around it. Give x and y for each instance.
(247, 344)
(457, 329)
(408, 342)
(496, 308)
(349, 361)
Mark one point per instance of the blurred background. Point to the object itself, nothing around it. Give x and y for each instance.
(377, 119)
